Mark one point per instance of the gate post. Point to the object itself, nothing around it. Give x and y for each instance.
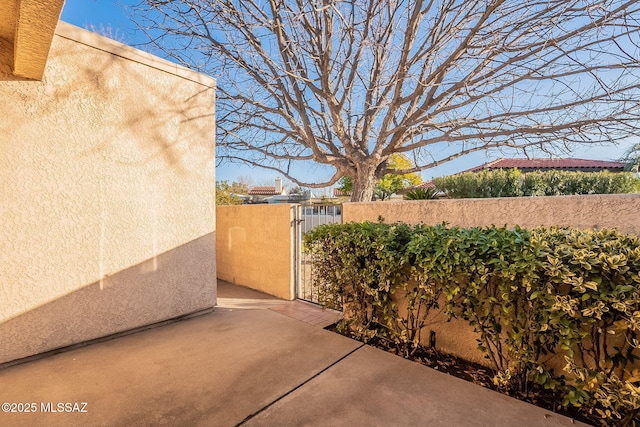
(296, 249)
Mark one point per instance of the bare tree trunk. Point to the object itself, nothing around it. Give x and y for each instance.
(363, 185)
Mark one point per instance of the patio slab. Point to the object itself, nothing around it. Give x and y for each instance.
(215, 369)
(238, 297)
(249, 364)
(373, 388)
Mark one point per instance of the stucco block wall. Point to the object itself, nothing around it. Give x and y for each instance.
(254, 245)
(108, 180)
(592, 211)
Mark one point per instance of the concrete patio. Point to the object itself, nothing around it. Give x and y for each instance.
(254, 360)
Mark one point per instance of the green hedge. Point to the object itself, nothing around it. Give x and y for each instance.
(528, 294)
(513, 183)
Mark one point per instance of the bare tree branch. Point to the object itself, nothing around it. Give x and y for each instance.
(349, 83)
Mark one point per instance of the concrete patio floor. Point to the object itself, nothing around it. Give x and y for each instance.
(250, 362)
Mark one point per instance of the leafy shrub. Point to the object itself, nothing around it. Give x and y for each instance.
(483, 184)
(422, 194)
(592, 285)
(513, 183)
(527, 294)
(357, 264)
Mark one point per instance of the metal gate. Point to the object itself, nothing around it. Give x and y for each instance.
(308, 217)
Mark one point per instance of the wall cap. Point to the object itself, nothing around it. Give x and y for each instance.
(96, 41)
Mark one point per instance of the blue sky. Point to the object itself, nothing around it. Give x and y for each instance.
(112, 16)
(85, 13)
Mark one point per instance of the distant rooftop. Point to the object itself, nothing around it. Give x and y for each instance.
(428, 184)
(529, 165)
(264, 191)
(339, 193)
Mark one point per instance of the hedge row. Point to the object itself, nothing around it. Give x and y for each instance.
(514, 183)
(528, 295)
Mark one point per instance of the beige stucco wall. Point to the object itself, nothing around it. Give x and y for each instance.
(454, 336)
(108, 179)
(254, 247)
(593, 211)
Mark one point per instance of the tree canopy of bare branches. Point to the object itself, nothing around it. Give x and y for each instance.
(349, 83)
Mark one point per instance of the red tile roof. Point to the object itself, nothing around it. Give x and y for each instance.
(542, 164)
(263, 191)
(428, 184)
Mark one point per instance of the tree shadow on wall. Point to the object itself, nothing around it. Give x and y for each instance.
(178, 282)
(116, 119)
(133, 112)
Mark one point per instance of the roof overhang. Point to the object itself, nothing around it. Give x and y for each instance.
(26, 31)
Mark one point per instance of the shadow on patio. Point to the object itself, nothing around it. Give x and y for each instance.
(254, 360)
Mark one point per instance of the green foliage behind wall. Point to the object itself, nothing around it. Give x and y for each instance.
(514, 183)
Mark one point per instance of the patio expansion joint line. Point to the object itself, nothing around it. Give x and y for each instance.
(317, 374)
(105, 338)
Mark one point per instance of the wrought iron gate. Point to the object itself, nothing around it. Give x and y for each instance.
(308, 217)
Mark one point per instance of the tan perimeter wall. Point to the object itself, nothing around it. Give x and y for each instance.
(107, 198)
(254, 247)
(593, 211)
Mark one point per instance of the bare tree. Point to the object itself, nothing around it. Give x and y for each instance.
(349, 83)
(631, 157)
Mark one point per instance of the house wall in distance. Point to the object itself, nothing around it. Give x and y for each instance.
(254, 247)
(108, 180)
(592, 211)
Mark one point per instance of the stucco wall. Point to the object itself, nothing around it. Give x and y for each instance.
(254, 247)
(593, 211)
(108, 179)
